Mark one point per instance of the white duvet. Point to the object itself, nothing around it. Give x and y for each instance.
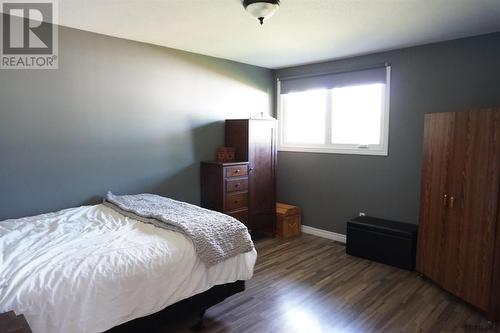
(88, 269)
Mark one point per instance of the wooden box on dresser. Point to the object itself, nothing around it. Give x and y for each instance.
(459, 231)
(254, 141)
(224, 188)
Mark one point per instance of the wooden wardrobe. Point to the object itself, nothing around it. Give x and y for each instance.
(254, 141)
(459, 232)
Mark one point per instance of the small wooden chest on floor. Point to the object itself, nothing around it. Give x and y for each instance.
(287, 220)
(388, 242)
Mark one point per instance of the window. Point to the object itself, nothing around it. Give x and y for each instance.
(343, 118)
(305, 127)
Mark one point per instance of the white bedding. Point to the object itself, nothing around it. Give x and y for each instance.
(88, 269)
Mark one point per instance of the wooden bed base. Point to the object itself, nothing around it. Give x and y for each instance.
(195, 304)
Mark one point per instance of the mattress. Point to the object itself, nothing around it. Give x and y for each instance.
(88, 269)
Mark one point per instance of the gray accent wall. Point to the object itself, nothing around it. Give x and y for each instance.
(117, 115)
(449, 76)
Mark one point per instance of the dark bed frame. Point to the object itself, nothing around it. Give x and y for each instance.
(195, 304)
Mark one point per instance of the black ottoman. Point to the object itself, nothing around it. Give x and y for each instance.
(388, 242)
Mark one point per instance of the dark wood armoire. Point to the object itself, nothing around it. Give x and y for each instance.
(254, 141)
(459, 232)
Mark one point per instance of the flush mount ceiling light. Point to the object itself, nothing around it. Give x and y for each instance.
(261, 9)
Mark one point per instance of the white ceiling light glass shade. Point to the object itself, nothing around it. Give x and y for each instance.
(261, 9)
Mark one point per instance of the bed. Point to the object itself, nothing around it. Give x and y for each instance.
(89, 269)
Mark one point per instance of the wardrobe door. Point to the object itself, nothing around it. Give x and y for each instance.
(433, 199)
(262, 174)
(494, 309)
(472, 206)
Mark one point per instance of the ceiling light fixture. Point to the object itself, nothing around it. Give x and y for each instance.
(261, 9)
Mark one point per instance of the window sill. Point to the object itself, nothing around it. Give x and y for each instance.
(345, 151)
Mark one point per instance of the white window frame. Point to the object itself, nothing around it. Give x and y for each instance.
(381, 149)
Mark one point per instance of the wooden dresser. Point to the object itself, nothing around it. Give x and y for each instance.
(224, 188)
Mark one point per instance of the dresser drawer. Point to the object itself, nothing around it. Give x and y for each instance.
(241, 215)
(236, 171)
(236, 201)
(236, 185)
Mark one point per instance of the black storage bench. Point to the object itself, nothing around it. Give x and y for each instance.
(388, 242)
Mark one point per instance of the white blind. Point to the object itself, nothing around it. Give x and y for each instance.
(333, 80)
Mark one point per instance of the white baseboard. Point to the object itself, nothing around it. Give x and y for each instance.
(324, 234)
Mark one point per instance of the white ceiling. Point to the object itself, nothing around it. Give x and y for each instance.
(302, 31)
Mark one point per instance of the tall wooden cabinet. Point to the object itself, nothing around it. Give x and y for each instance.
(459, 232)
(254, 141)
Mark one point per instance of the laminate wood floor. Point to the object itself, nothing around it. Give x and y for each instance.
(308, 284)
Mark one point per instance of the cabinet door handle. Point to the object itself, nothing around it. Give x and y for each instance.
(237, 185)
(452, 202)
(445, 200)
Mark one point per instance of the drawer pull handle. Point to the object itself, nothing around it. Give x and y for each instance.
(237, 171)
(237, 185)
(235, 201)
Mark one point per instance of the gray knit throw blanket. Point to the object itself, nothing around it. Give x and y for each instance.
(216, 236)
